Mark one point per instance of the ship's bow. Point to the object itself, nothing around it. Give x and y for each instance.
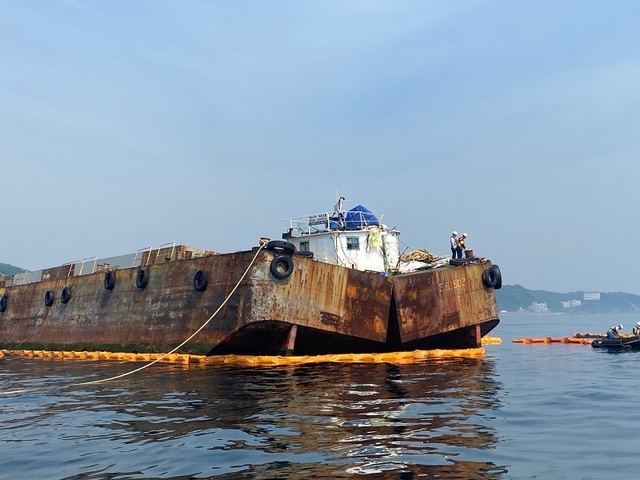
(451, 307)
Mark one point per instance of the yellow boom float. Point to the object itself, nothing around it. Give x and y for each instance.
(394, 357)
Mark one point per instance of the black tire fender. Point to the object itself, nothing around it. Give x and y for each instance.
(200, 281)
(281, 247)
(142, 279)
(49, 297)
(281, 266)
(66, 295)
(492, 277)
(3, 303)
(498, 273)
(109, 279)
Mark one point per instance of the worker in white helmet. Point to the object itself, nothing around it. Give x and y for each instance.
(614, 332)
(453, 242)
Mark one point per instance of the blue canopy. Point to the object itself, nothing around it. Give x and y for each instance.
(359, 217)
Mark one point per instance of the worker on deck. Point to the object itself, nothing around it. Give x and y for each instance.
(636, 330)
(453, 240)
(460, 246)
(614, 332)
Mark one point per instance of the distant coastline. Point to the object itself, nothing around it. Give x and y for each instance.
(516, 299)
(542, 314)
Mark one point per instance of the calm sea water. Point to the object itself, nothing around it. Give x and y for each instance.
(549, 411)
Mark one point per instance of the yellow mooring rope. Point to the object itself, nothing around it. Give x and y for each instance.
(165, 355)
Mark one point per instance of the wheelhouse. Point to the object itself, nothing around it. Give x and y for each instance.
(353, 238)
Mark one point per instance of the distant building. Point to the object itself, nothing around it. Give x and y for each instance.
(538, 307)
(590, 295)
(571, 304)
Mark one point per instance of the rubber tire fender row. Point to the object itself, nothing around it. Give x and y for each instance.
(492, 277)
(281, 247)
(200, 281)
(281, 266)
(49, 297)
(66, 295)
(109, 279)
(3, 303)
(142, 278)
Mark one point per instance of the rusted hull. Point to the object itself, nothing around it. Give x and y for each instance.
(323, 300)
(248, 307)
(448, 307)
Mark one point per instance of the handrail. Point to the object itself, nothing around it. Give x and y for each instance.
(150, 250)
(330, 221)
(95, 263)
(143, 250)
(173, 249)
(70, 264)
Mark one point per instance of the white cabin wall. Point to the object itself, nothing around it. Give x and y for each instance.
(365, 258)
(332, 247)
(323, 249)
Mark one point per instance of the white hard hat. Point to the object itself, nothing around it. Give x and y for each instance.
(638, 324)
(464, 234)
(620, 327)
(454, 233)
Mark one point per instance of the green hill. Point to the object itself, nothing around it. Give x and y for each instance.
(7, 269)
(514, 298)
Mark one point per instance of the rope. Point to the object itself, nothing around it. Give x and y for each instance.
(165, 354)
(419, 255)
(189, 338)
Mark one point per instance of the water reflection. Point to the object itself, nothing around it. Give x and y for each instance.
(315, 421)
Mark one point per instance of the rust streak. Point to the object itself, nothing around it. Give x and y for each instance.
(230, 284)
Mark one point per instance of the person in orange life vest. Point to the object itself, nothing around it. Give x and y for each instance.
(460, 245)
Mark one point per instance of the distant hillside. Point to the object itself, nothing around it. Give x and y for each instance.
(7, 269)
(513, 298)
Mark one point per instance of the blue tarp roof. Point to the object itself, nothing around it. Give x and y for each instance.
(359, 217)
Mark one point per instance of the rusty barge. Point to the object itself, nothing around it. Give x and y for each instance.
(335, 283)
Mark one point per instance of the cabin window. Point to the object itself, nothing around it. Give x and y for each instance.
(353, 243)
(304, 246)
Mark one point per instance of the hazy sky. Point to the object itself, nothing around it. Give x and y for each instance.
(129, 124)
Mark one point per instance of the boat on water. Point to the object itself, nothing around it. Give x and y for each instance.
(621, 343)
(335, 283)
